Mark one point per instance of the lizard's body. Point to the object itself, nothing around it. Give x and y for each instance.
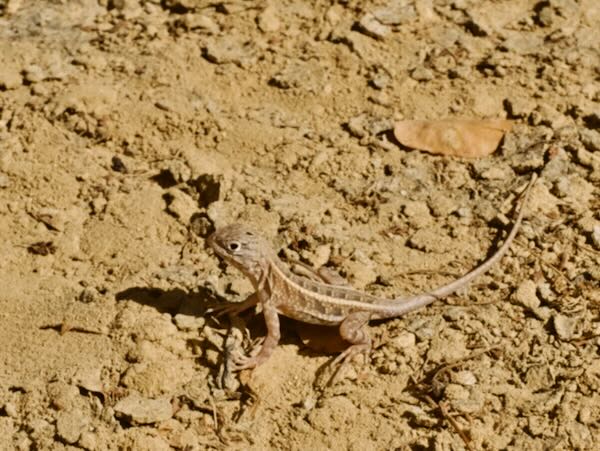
(280, 291)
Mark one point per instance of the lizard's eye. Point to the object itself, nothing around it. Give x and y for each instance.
(234, 246)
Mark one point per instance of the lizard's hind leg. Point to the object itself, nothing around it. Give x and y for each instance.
(322, 274)
(354, 330)
(332, 277)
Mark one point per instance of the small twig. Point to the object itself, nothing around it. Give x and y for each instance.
(583, 340)
(444, 410)
(548, 265)
(424, 272)
(65, 327)
(214, 412)
(462, 360)
(584, 247)
(556, 270)
(429, 400)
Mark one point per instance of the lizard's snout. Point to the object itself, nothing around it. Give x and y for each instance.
(211, 241)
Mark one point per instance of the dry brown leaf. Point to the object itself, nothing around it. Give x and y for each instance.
(470, 138)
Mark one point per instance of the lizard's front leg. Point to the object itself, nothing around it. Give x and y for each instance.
(268, 345)
(234, 308)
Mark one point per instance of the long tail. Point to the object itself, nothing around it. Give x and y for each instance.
(399, 306)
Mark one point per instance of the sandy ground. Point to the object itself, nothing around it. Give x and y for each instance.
(130, 129)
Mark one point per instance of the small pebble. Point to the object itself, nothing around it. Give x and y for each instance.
(188, 322)
(268, 21)
(370, 26)
(200, 22)
(201, 225)
(381, 80)
(426, 328)
(544, 290)
(586, 416)
(596, 236)
(10, 409)
(564, 326)
(543, 313)
(396, 12)
(9, 78)
(140, 410)
(34, 74)
(472, 405)
(405, 340)
(526, 295)
(519, 106)
(88, 441)
(89, 379)
(441, 205)
(228, 50)
(455, 391)
(381, 98)
(89, 295)
(539, 377)
(4, 181)
(357, 125)
(362, 272)
(422, 74)
(70, 425)
(464, 212)
(496, 173)
(62, 396)
(590, 139)
(40, 90)
(309, 403)
(180, 205)
(466, 378)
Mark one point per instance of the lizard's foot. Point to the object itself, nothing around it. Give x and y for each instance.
(238, 362)
(354, 331)
(227, 309)
(260, 353)
(256, 345)
(349, 353)
(233, 308)
(245, 362)
(344, 358)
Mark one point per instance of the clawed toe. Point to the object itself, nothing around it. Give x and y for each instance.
(342, 360)
(350, 352)
(256, 345)
(221, 310)
(243, 362)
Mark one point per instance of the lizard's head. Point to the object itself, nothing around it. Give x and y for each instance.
(243, 247)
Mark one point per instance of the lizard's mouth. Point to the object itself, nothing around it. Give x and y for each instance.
(211, 242)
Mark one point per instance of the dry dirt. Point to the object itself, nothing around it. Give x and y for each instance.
(130, 129)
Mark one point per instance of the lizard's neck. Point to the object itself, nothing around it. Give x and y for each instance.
(259, 271)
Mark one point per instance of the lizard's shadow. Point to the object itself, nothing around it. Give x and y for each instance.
(172, 301)
(310, 340)
(196, 303)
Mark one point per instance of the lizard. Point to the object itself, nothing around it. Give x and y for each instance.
(281, 292)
